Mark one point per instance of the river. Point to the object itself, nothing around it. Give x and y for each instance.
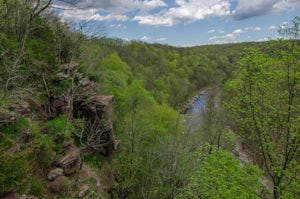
(194, 113)
(193, 120)
(194, 117)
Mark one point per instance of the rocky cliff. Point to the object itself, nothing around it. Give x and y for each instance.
(74, 96)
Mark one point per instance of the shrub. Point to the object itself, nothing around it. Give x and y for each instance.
(93, 161)
(59, 129)
(10, 132)
(14, 171)
(37, 188)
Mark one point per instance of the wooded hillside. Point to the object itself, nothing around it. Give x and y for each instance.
(95, 117)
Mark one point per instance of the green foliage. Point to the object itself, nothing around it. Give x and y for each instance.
(292, 190)
(221, 176)
(264, 103)
(41, 55)
(149, 81)
(115, 74)
(94, 161)
(14, 170)
(11, 132)
(59, 128)
(8, 43)
(16, 128)
(37, 188)
(41, 153)
(144, 127)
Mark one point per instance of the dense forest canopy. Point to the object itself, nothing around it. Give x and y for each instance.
(50, 80)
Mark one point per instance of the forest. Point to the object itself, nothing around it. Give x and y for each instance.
(94, 117)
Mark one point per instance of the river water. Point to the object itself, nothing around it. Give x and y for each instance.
(193, 116)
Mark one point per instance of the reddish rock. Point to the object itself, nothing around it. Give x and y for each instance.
(71, 162)
(87, 104)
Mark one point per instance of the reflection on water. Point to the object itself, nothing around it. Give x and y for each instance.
(193, 115)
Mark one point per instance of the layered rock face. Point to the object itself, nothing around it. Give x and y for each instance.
(73, 95)
(82, 100)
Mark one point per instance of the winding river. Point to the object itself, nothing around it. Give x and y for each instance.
(193, 120)
(194, 113)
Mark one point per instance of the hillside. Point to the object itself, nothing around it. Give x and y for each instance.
(84, 117)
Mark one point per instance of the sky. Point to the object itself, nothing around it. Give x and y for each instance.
(184, 22)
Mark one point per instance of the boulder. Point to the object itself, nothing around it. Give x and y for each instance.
(83, 190)
(53, 174)
(60, 185)
(62, 76)
(84, 81)
(71, 162)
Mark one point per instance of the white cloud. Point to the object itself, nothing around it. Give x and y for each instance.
(125, 39)
(272, 27)
(227, 37)
(264, 39)
(286, 5)
(145, 38)
(253, 28)
(89, 14)
(118, 26)
(153, 20)
(216, 31)
(223, 42)
(150, 5)
(238, 31)
(106, 10)
(187, 12)
(122, 6)
(98, 17)
(247, 9)
(162, 39)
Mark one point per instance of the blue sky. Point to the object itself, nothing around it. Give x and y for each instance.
(185, 22)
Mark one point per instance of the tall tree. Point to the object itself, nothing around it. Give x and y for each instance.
(219, 176)
(265, 102)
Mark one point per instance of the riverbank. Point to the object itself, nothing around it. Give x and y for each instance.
(211, 91)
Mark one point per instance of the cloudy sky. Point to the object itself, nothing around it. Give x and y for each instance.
(186, 22)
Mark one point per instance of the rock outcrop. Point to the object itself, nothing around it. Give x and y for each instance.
(71, 162)
(81, 99)
(72, 94)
